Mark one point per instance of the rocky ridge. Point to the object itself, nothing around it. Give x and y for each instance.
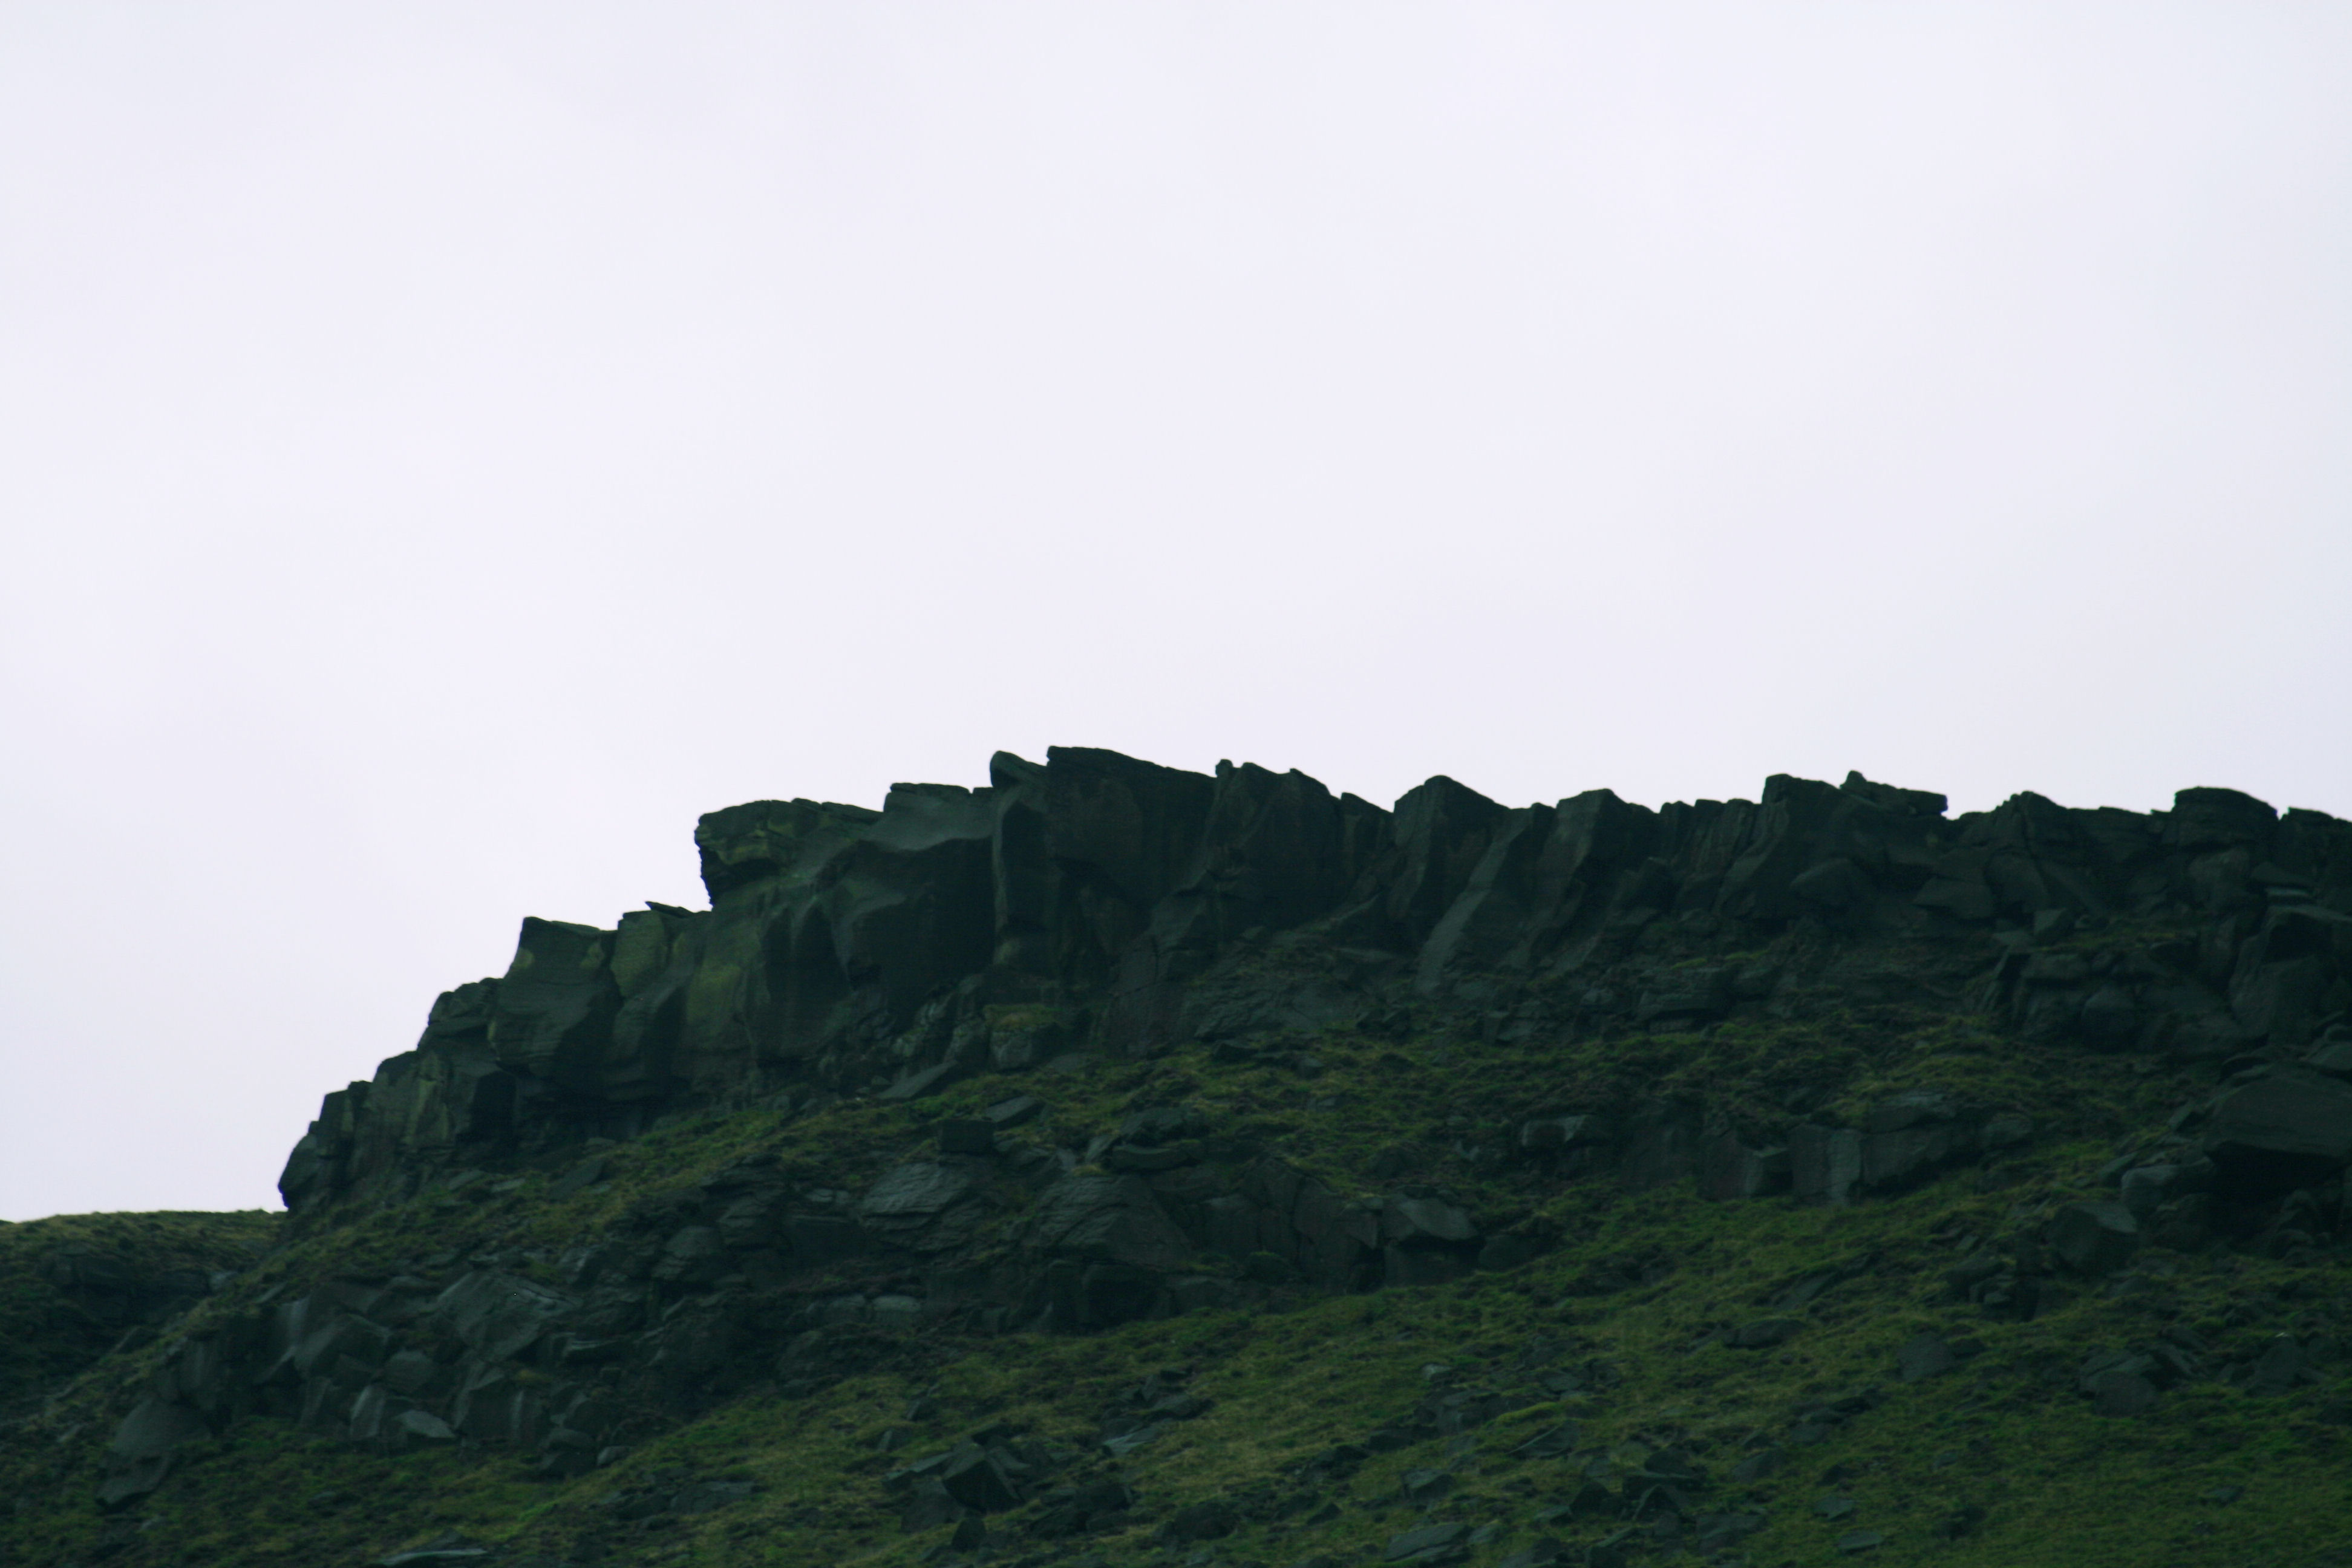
(1108, 1046)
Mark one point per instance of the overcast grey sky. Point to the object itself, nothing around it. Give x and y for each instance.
(445, 448)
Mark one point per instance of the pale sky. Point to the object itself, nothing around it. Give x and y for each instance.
(446, 449)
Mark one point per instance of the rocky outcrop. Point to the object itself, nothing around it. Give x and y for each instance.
(1096, 903)
(1098, 907)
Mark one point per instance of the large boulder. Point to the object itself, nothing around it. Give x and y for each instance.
(2207, 819)
(2289, 1127)
(139, 1455)
(319, 1166)
(1110, 1219)
(2094, 1238)
(752, 843)
(913, 1204)
(498, 1315)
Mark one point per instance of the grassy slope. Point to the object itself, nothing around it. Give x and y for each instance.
(48, 1333)
(2006, 1432)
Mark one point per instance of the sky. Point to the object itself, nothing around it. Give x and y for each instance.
(445, 448)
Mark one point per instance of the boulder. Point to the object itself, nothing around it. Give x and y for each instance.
(1425, 1222)
(139, 1455)
(2289, 1128)
(2146, 1188)
(2209, 819)
(745, 845)
(2094, 1238)
(498, 1315)
(906, 1206)
(1111, 1219)
(927, 1505)
(979, 1479)
(1729, 1169)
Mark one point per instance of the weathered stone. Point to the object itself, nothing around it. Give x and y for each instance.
(2286, 1130)
(695, 1254)
(1017, 1112)
(422, 1427)
(977, 1478)
(1728, 1170)
(497, 1315)
(913, 1194)
(1441, 831)
(153, 1427)
(1114, 1219)
(577, 1179)
(928, 1505)
(1425, 1222)
(2094, 1238)
(1903, 1156)
(555, 1005)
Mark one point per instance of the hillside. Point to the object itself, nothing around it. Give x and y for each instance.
(1121, 1165)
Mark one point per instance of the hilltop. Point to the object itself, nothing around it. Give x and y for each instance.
(1122, 1166)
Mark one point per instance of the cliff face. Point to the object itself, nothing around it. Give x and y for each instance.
(1185, 1160)
(1101, 905)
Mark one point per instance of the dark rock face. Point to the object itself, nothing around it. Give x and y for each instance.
(1098, 906)
(1091, 904)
